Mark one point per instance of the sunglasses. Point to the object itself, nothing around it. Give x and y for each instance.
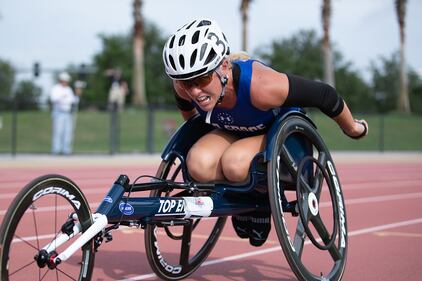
(197, 82)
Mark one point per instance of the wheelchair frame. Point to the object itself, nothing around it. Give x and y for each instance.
(220, 200)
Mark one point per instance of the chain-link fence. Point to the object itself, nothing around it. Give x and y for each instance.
(102, 130)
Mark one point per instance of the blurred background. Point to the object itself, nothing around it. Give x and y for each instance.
(368, 50)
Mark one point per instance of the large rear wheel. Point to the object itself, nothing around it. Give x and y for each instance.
(176, 250)
(314, 238)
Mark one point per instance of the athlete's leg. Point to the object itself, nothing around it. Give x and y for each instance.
(203, 159)
(237, 158)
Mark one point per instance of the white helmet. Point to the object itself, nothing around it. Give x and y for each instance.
(195, 49)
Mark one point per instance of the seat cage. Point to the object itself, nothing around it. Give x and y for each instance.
(194, 128)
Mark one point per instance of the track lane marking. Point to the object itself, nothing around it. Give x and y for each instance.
(398, 234)
(277, 248)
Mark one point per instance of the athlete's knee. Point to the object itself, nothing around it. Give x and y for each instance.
(235, 167)
(202, 165)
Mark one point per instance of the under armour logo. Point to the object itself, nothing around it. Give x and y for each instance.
(258, 234)
(225, 118)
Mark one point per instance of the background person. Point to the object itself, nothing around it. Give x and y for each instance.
(241, 99)
(62, 99)
(118, 91)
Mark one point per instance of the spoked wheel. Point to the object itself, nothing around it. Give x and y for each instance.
(176, 251)
(33, 220)
(320, 210)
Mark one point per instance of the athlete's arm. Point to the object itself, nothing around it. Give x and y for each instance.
(271, 89)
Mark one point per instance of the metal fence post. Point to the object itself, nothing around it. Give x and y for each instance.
(114, 128)
(381, 135)
(14, 126)
(150, 129)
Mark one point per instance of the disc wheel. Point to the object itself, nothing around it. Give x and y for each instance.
(33, 220)
(315, 241)
(175, 252)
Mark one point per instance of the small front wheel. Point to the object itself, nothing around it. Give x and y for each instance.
(34, 219)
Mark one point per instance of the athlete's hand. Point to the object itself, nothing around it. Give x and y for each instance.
(360, 129)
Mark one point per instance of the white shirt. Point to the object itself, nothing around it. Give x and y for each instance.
(62, 98)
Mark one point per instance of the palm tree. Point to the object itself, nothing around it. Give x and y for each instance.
(244, 11)
(139, 97)
(326, 46)
(403, 102)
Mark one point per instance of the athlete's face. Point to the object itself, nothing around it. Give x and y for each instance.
(203, 90)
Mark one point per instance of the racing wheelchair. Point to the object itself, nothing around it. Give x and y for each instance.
(294, 178)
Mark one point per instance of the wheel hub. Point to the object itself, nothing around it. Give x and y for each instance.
(313, 204)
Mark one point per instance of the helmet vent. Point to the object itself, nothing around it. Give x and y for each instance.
(190, 25)
(182, 61)
(172, 62)
(193, 58)
(195, 37)
(203, 49)
(203, 23)
(171, 42)
(165, 58)
(182, 40)
(211, 56)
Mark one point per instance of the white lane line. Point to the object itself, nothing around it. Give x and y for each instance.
(277, 248)
(415, 183)
(346, 186)
(382, 198)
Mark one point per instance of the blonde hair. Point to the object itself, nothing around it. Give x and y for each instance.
(239, 56)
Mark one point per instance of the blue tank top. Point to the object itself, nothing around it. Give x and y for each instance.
(243, 119)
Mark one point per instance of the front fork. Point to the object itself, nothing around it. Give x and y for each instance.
(48, 255)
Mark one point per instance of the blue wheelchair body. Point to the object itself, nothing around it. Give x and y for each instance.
(195, 128)
(229, 198)
(295, 160)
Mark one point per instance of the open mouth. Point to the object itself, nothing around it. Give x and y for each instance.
(203, 99)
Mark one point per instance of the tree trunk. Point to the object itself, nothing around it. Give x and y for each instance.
(326, 46)
(244, 10)
(139, 97)
(403, 101)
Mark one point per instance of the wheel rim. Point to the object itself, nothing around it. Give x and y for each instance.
(308, 261)
(174, 252)
(36, 222)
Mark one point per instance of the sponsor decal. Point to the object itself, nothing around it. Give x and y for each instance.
(342, 218)
(60, 191)
(198, 206)
(169, 268)
(171, 206)
(108, 199)
(126, 209)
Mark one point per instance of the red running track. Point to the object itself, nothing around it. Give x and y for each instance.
(383, 200)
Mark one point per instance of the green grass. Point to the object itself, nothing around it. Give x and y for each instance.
(401, 132)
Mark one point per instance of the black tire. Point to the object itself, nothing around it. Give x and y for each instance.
(319, 200)
(171, 252)
(27, 228)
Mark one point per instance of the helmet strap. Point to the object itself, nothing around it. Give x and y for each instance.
(223, 81)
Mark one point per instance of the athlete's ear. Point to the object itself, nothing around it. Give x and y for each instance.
(225, 64)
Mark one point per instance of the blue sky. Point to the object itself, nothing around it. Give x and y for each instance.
(59, 33)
